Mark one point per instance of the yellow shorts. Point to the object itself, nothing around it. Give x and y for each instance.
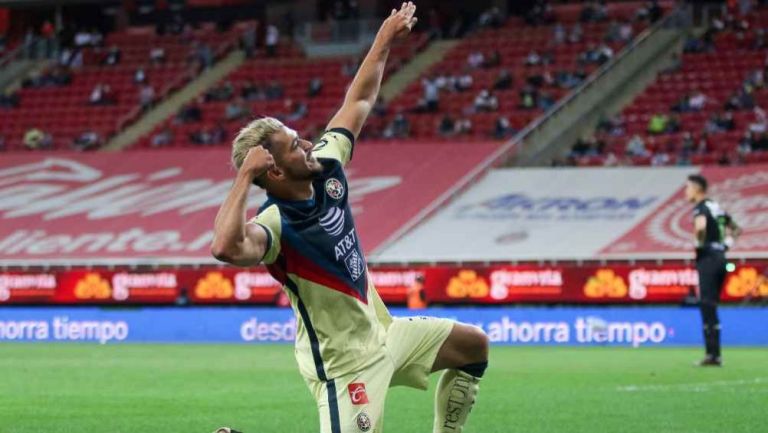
(410, 351)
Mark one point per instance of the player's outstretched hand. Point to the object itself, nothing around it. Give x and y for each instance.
(400, 22)
(257, 162)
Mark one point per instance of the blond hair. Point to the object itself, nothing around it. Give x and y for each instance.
(254, 134)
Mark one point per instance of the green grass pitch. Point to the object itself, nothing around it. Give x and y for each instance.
(50, 388)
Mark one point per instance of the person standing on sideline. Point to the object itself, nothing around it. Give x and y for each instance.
(714, 232)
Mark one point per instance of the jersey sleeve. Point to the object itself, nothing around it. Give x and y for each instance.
(336, 143)
(269, 219)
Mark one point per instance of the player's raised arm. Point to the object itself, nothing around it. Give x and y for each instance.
(364, 90)
(234, 240)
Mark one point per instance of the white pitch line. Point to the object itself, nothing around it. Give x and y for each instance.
(694, 387)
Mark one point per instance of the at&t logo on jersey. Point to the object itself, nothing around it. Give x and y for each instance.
(333, 221)
(334, 188)
(357, 393)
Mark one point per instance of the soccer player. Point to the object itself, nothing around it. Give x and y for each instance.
(348, 347)
(714, 232)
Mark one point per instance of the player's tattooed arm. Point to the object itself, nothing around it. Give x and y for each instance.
(364, 90)
(235, 241)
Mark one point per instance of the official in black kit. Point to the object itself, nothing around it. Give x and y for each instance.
(714, 232)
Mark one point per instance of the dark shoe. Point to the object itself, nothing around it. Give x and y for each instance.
(710, 361)
(226, 430)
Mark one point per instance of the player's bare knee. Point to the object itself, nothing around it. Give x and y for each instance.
(475, 344)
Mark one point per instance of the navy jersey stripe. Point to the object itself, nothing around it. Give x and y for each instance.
(269, 239)
(313, 341)
(333, 406)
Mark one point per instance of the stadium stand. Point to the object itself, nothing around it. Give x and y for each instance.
(98, 88)
(505, 75)
(252, 89)
(706, 109)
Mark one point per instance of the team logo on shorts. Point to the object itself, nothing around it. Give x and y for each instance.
(334, 188)
(363, 422)
(357, 393)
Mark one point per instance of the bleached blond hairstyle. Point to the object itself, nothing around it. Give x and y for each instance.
(254, 134)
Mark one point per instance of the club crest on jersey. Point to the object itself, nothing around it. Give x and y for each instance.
(334, 188)
(363, 422)
(357, 393)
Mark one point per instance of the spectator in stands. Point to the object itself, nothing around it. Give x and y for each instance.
(613, 125)
(86, 38)
(528, 97)
(636, 146)
(295, 110)
(567, 80)
(102, 95)
(475, 59)
(541, 79)
(504, 80)
(493, 60)
(761, 143)
(162, 138)
(203, 55)
(463, 82)
(491, 18)
(583, 147)
(625, 32)
(559, 34)
(740, 100)
(140, 76)
(447, 126)
(36, 138)
(660, 158)
(251, 92)
(533, 58)
(113, 56)
(146, 97)
(703, 146)
(248, 40)
(315, 87)
(431, 96)
(215, 135)
(760, 124)
(220, 93)
(271, 39)
(658, 124)
(674, 124)
(746, 143)
(9, 99)
(379, 108)
(486, 101)
(88, 140)
(576, 35)
(157, 55)
(502, 128)
(594, 12)
(721, 122)
(697, 101)
(189, 113)
(236, 110)
(274, 91)
(399, 127)
(463, 126)
(545, 100)
(349, 69)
